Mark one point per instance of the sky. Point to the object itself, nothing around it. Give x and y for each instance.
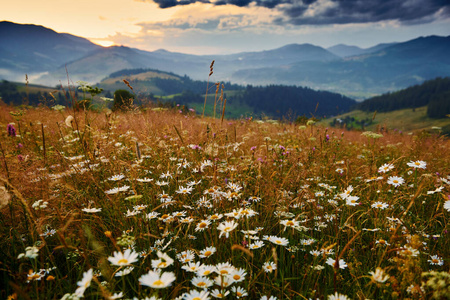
(231, 26)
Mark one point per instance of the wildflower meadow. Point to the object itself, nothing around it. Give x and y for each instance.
(162, 204)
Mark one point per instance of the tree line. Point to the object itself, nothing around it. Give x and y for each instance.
(432, 93)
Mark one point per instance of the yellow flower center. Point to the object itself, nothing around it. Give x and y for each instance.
(201, 284)
(122, 261)
(202, 225)
(290, 223)
(158, 283)
(208, 253)
(223, 272)
(236, 277)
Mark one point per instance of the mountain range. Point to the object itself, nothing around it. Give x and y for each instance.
(48, 58)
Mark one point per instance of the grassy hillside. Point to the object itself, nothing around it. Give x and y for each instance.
(405, 119)
(159, 204)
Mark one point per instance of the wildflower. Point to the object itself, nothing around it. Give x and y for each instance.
(215, 217)
(436, 260)
(186, 256)
(226, 227)
(269, 266)
(84, 283)
(202, 225)
(395, 181)
(238, 275)
(202, 282)
(418, 164)
(30, 252)
(239, 292)
(380, 205)
(218, 294)
(256, 245)
(447, 205)
(269, 298)
(385, 168)
(116, 296)
(207, 252)
(157, 280)
(247, 212)
(184, 190)
(352, 200)
(112, 191)
(337, 296)
(331, 262)
(379, 276)
(123, 259)
(124, 272)
(116, 177)
(11, 130)
(163, 262)
(290, 223)
(92, 210)
(196, 295)
(278, 240)
(224, 268)
(223, 281)
(205, 270)
(69, 121)
(192, 266)
(346, 193)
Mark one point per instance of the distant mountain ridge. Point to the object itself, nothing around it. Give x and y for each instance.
(360, 73)
(34, 49)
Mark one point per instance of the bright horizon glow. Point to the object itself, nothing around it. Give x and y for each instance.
(202, 28)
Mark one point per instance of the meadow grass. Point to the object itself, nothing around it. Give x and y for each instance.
(159, 205)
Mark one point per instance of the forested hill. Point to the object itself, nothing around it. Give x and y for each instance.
(280, 101)
(432, 93)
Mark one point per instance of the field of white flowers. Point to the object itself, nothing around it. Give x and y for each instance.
(164, 205)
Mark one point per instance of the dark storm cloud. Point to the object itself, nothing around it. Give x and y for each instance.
(315, 12)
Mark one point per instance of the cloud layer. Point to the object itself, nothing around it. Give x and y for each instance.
(327, 12)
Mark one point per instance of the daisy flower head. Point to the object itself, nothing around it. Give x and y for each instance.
(202, 282)
(256, 245)
(123, 259)
(226, 227)
(447, 205)
(379, 276)
(224, 268)
(218, 294)
(435, 260)
(352, 200)
(206, 270)
(337, 296)
(342, 263)
(116, 177)
(192, 266)
(196, 295)
(290, 223)
(162, 262)
(278, 240)
(202, 225)
(380, 205)
(207, 252)
(385, 168)
(184, 190)
(395, 181)
(157, 280)
(418, 164)
(268, 298)
(92, 210)
(84, 283)
(269, 266)
(238, 275)
(239, 292)
(186, 256)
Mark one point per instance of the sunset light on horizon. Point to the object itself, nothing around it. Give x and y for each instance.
(223, 27)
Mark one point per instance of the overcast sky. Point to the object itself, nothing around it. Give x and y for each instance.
(230, 26)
